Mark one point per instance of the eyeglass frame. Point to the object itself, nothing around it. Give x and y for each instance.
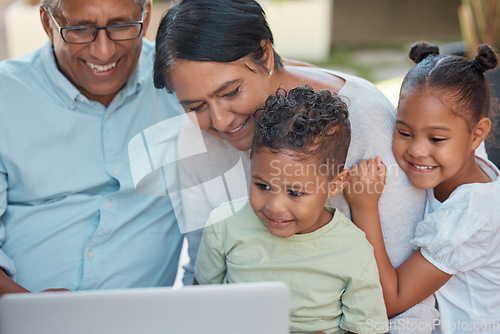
(141, 22)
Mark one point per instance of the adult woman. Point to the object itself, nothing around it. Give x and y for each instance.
(218, 57)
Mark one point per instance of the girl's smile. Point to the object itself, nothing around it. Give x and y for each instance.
(423, 167)
(434, 147)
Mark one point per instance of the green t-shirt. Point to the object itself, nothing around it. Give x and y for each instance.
(331, 272)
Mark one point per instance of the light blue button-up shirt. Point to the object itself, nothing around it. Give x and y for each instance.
(70, 215)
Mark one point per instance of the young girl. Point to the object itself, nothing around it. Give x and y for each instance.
(441, 120)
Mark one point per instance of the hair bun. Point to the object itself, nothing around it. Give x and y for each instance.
(420, 51)
(486, 58)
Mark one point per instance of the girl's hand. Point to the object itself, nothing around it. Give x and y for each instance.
(366, 183)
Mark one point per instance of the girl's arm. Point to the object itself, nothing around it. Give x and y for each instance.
(416, 278)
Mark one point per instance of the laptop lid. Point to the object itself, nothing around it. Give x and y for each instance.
(246, 308)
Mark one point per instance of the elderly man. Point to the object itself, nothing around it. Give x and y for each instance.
(70, 217)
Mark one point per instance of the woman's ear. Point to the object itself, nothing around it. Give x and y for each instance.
(339, 182)
(479, 132)
(268, 56)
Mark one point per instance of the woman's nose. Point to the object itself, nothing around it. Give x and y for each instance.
(222, 118)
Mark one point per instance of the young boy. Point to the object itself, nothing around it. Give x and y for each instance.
(285, 233)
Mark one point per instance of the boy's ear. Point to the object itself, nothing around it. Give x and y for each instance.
(339, 182)
(479, 132)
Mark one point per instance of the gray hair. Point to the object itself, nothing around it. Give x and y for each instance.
(54, 6)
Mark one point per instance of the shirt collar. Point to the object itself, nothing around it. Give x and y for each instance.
(66, 90)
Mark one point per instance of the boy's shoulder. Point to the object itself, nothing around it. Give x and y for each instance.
(232, 210)
(351, 234)
(235, 219)
(344, 223)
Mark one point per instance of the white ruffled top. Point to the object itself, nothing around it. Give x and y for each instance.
(461, 237)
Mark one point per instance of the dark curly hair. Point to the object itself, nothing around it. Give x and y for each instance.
(306, 122)
(459, 83)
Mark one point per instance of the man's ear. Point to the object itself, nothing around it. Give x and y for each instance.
(147, 18)
(268, 56)
(339, 182)
(479, 132)
(45, 19)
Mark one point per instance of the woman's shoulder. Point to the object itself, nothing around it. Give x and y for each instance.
(362, 88)
(358, 91)
(316, 77)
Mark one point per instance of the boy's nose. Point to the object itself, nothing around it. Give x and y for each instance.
(276, 205)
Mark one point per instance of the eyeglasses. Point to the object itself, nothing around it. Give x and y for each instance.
(88, 34)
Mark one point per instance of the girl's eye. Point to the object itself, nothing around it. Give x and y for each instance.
(233, 93)
(294, 193)
(437, 140)
(404, 134)
(262, 186)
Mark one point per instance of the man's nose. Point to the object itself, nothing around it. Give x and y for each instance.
(102, 48)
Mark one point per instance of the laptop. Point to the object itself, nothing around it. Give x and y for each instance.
(244, 308)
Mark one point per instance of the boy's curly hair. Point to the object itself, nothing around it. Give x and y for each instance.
(305, 123)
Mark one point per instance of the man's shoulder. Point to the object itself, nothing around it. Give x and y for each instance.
(21, 65)
(20, 78)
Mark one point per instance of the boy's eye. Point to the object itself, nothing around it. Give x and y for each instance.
(294, 193)
(437, 140)
(262, 186)
(233, 93)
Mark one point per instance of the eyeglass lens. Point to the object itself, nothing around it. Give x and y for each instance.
(116, 32)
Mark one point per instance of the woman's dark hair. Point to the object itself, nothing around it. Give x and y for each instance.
(459, 83)
(306, 122)
(210, 30)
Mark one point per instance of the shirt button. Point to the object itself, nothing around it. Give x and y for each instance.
(108, 116)
(91, 254)
(109, 205)
(117, 172)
